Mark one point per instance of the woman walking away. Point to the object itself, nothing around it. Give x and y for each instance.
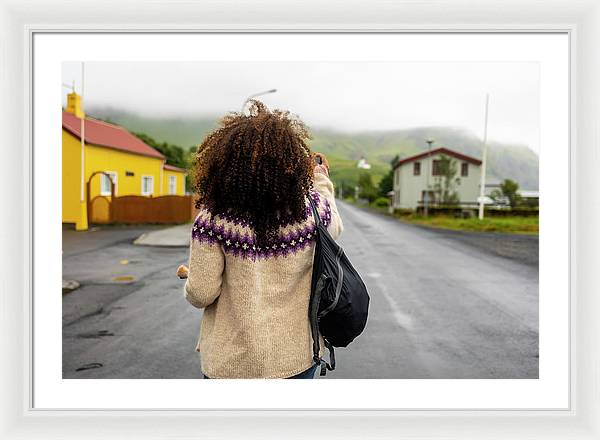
(252, 246)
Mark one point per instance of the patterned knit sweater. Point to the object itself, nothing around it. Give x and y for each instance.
(255, 299)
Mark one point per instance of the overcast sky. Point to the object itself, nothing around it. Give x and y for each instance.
(344, 96)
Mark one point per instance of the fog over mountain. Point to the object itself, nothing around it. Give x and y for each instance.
(344, 96)
(505, 160)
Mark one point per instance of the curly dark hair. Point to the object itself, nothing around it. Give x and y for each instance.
(257, 167)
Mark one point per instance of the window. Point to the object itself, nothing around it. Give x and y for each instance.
(464, 169)
(147, 185)
(417, 168)
(105, 183)
(437, 168)
(172, 184)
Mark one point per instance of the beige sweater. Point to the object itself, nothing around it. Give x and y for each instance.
(255, 322)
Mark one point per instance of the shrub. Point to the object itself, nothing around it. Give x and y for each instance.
(441, 210)
(382, 202)
(519, 212)
(403, 212)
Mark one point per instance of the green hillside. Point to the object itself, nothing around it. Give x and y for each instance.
(505, 161)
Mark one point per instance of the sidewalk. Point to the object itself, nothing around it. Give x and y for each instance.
(175, 236)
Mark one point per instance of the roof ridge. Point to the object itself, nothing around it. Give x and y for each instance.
(174, 166)
(454, 153)
(100, 121)
(107, 134)
(109, 124)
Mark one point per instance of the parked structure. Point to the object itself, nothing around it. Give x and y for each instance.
(528, 197)
(410, 178)
(109, 153)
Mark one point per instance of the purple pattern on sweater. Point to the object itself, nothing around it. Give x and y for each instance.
(243, 244)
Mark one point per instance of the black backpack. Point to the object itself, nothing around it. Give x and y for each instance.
(339, 301)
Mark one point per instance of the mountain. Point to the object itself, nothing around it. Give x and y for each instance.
(505, 161)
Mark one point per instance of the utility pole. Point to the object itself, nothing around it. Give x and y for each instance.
(82, 137)
(484, 158)
(427, 172)
(83, 223)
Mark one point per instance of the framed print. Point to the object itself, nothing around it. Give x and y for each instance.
(451, 164)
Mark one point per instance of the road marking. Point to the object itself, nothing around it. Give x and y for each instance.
(404, 320)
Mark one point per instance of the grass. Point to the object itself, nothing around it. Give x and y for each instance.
(506, 224)
(511, 224)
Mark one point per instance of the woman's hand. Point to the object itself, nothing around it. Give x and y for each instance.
(323, 167)
(182, 272)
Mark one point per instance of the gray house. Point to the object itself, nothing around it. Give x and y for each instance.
(416, 174)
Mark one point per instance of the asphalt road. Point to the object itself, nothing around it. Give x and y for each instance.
(443, 305)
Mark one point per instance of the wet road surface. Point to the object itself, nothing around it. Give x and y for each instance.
(441, 306)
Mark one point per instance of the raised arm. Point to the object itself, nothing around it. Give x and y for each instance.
(324, 186)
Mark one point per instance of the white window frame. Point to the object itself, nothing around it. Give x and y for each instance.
(115, 178)
(172, 179)
(147, 193)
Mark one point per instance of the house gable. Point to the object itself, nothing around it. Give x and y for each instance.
(435, 152)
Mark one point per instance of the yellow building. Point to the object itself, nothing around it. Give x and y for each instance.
(108, 151)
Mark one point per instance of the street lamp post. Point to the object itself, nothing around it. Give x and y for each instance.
(429, 168)
(266, 92)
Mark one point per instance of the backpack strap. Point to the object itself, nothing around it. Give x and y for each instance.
(324, 364)
(314, 322)
(331, 355)
(315, 211)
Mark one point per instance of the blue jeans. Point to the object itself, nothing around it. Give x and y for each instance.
(306, 374)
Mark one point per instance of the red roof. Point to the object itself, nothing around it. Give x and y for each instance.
(107, 135)
(174, 168)
(441, 150)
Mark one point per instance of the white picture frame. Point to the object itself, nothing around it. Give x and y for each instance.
(18, 23)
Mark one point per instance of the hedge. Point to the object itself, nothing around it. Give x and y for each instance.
(458, 211)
